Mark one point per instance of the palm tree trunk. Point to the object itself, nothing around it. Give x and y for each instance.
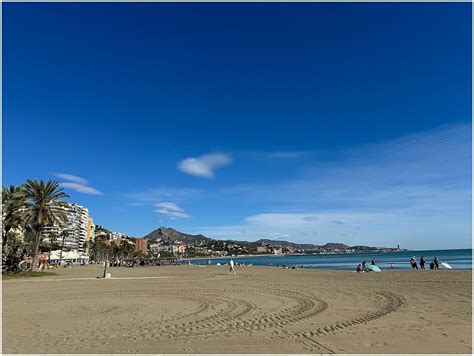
(49, 253)
(35, 255)
(61, 252)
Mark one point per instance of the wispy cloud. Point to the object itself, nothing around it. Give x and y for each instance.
(204, 166)
(171, 210)
(278, 235)
(72, 178)
(80, 188)
(77, 184)
(165, 193)
(287, 154)
(310, 218)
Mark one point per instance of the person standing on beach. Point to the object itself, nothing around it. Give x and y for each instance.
(373, 262)
(422, 262)
(363, 265)
(436, 262)
(43, 264)
(414, 264)
(231, 264)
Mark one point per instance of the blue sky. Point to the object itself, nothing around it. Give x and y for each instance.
(305, 122)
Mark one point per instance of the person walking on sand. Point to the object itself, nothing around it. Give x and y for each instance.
(436, 262)
(231, 264)
(373, 262)
(363, 265)
(422, 262)
(414, 264)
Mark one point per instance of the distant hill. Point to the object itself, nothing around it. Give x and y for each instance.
(328, 246)
(286, 244)
(169, 234)
(334, 246)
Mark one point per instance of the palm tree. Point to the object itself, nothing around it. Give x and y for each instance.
(98, 248)
(52, 237)
(12, 203)
(64, 234)
(125, 249)
(43, 208)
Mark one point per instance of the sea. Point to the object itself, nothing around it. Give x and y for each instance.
(457, 259)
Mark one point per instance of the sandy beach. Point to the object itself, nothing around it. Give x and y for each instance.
(188, 309)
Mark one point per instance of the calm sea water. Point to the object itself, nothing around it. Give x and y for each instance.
(458, 259)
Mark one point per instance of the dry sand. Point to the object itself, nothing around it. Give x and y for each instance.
(259, 310)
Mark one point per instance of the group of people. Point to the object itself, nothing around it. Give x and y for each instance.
(433, 265)
(362, 267)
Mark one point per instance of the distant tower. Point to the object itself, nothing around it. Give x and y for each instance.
(398, 247)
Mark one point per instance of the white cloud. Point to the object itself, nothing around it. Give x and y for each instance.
(171, 210)
(72, 178)
(77, 184)
(278, 235)
(204, 166)
(326, 220)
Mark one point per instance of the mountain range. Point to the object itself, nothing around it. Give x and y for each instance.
(171, 235)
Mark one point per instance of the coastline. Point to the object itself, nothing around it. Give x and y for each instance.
(319, 254)
(459, 259)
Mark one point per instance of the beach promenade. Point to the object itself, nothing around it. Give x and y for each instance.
(190, 309)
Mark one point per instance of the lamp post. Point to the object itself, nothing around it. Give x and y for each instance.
(105, 265)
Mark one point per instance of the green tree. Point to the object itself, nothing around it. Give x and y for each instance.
(43, 208)
(13, 253)
(126, 249)
(13, 202)
(99, 248)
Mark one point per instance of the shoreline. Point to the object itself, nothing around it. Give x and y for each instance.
(323, 254)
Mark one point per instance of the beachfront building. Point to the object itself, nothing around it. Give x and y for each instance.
(69, 257)
(90, 233)
(157, 248)
(277, 251)
(154, 248)
(168, 248)
(141, 245)
(79, 226)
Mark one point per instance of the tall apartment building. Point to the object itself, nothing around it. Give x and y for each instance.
(90, 232)
(79, 225)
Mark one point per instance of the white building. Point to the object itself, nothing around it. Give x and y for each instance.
(116, 235)
(277, 251)
(73, 257)
(156, 247)
(79, 226)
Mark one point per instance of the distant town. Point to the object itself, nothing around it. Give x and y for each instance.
(80, 240)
